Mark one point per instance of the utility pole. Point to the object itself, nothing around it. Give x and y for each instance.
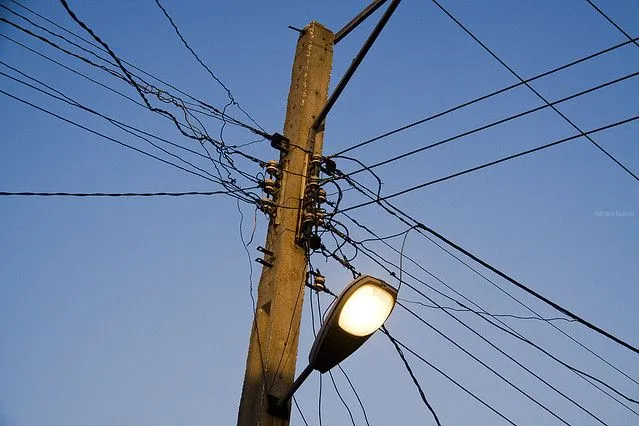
(270, 366)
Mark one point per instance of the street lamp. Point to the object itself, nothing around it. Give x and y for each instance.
(358, 311)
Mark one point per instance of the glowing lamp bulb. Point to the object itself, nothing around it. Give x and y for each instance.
(366, 310)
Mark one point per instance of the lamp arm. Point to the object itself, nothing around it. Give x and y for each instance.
(280, 406)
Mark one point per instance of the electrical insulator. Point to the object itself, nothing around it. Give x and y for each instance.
(312, 185)
(319, 280)
(269, 186)
(321, 196)
(267, 206)
(308, 219)
(318, 283)
(316, 162)
(272, 168)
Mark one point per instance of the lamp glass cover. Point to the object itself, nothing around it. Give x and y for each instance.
(366, 310)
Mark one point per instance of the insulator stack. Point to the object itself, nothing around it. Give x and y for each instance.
(313, 215)
(270, 186)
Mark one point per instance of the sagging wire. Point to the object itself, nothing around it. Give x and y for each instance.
(330, 373)
(513, 333)
(251, 287)
(200, 135)
(399, 351)
(405, 218)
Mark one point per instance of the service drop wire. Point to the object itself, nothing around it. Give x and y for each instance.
(122, 126)
(407, 220)
(587, 135)
(372, 254)
(447, 376)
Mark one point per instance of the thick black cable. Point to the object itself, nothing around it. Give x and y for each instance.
(490, 164)
(492, 370)
(359, 400)
(204, 104)
(403, 217)
(127, 73)
(125, 127)
(117, 194)
(456, 383)
(132, 130)
(510, 330)
(539, 95)
(449, 377)
(484, 97)
(155, 157)
(399, 351)
(530, 291)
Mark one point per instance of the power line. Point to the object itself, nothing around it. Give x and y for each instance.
(530, 291)
(528, 370)
(148, 88)
(129, 77)
(489, 368)
(372, 254)
(490, 164)
(111, 139)
(482, 312)
(484, 97)
(613, 23)
(127, 128)
(199, 135)
(512, 333)
(489, 125)
(231, 148)
(403, 217)
(449, 377)
(299, 410)
(383, 240)
(359, 400)
(398, 349)
(539, 95)
(579, 372)
(120, 194)
(455, 382)
(492, 370)
(219, 114)
(330, 373)
(197, 58)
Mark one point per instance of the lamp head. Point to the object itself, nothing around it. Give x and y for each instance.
(360, 309)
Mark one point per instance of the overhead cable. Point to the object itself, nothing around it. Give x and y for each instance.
(539, 95)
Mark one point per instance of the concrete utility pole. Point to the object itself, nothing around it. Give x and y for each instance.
(270, 366)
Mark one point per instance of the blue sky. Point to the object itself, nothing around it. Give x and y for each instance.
(136, 311)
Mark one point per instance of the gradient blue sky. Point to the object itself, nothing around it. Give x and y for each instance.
(137, 311)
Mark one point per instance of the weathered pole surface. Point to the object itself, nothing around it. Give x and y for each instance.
(270, 366)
